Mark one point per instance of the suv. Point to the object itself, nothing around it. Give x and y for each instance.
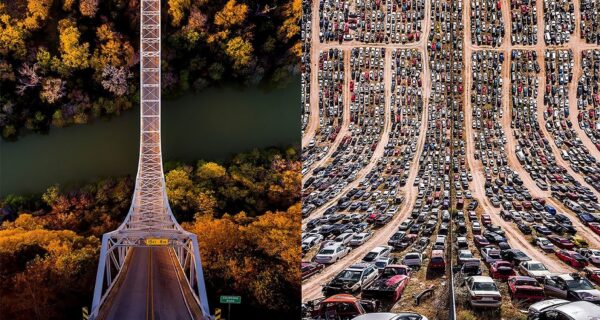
(351, 279)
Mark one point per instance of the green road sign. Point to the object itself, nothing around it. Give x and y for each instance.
(231, 299)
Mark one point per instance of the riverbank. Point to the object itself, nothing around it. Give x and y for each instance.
(212, 125)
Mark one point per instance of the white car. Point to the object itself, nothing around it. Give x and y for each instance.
(483, 292)
(391, 316)
(413, 260)
(534, 269)
(593, 255)
(331, 253)
(544, 244)
(360, 238)
(344, 238)
(377, 252)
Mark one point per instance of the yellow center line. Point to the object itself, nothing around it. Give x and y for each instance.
(148, 290)
(151, 286)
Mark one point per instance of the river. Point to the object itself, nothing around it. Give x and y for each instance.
(212, 125)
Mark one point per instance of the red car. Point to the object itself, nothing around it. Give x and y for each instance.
(480, 241)
(486, 219)
(573, 258)
(595, 226)
(501, 270)
(525, 288)
(390, 285)
(593, 275)
(561, 242)
(311, 268)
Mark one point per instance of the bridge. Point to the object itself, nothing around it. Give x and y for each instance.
(150, 267)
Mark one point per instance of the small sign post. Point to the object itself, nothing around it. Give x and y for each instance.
(229, 300)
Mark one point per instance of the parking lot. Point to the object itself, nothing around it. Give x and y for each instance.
(478, 156)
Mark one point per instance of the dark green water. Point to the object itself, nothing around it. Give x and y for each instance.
(213, 124)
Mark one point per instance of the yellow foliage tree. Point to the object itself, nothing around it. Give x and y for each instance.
(210, 171)
(240, 51)
(232, 14)
(113, 50)
(12, 37)
(73, 53)
(37, 12)
(291, 26)
(88, 8)
(177, 9)
(180, 188)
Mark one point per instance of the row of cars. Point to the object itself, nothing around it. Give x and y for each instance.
(559, 21)
(590, 21)
(305, 66)
(588, 97)
(365, 129)
(331, 105)
(523, 22)
(487, 24)
(371, 21)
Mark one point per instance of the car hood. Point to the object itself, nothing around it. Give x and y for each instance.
(539, 273)
(486, 293)
(588, 295)
(341, 283)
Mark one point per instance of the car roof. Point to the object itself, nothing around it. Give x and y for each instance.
(359, 266)
(482, 279)
(579, 310)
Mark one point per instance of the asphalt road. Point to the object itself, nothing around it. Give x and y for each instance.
(150, 289)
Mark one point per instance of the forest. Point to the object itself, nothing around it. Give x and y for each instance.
(66, 62)
(245, 211)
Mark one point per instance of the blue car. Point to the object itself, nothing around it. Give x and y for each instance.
(550, 209)
(585, 217)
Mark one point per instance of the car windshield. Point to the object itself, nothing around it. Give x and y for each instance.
(350, 275)
(520, 254)
(381, 264)
(579, 284)
(537, 267)
(484, 286)
(527, 283)
(326, 251)
(370, 256)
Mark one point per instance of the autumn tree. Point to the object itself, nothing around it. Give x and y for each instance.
(113, 50)
(291, 26)
(231, 15)
(12, 36)
(177, 9)
(53, 89)
(180, 188)
(240, 51)
(37, 12)
(74, 54)
(114, 79)
(88, 8)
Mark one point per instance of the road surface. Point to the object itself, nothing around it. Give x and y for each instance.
(151, 289)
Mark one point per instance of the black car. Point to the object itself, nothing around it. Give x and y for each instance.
(493, 237)
(515, 256)
(525, 229)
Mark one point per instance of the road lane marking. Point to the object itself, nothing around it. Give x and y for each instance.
(148, 290)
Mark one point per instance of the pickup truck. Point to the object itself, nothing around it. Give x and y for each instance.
(390, 285)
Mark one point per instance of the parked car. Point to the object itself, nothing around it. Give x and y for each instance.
(341, 306)
(514, 256)
(544, 244)
(310, 268)
(483, 292)
(562, 309)
(571, 287)
(377, 252)
(525, 288)
(391, 316)
(351, 279)
(361, 238)
(572, 258)
(413, 260)
(534, 269)
(501, 270)
(331, 254)
(390, 285)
